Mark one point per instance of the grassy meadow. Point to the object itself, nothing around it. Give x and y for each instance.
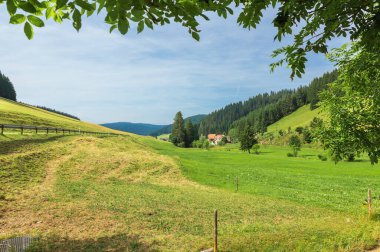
(133, 193)
(301, 117)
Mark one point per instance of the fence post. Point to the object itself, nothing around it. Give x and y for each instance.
(215, 230)
(22, 130)
(369, 201)
(2, 129)
(36, 130)
(47, 131)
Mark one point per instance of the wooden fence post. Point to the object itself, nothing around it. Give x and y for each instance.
(2, 129)
(369, 201)
(215, 230)
(36, 130)
(47, 130)
(22, 130)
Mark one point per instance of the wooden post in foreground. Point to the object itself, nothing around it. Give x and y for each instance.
(215, 230)
(369, 201)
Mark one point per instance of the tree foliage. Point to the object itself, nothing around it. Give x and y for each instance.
(264, 109)
(317, 21)
(7, 89)
(190, 134)
(247, 138)
(295, 144)
(353, 102)
(178, 136)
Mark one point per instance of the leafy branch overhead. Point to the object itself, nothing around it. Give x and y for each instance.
(317, 21)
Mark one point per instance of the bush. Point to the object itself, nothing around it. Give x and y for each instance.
(295, 144)
(290, 154)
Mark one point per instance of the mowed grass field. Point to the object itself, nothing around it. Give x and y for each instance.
(301, 117)
(132, 193)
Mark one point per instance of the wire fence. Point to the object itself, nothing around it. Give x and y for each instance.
(48, 130)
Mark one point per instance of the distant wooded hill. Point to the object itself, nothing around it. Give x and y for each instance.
(143, 129)
(146, 129)
(196, 120)
(262, 110)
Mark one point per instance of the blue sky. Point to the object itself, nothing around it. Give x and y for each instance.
(144, 77)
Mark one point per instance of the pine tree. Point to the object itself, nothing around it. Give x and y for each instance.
(6, 88)
(189, 133)
(178, 131)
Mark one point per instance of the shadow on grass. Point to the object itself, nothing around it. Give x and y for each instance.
(14, 145)
(119, 242)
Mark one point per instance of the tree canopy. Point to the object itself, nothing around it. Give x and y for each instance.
(7, 89)
(353, 102)
(311, 23)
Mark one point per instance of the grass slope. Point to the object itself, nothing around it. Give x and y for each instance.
(301, 117)
(139, 194)
(17, 113)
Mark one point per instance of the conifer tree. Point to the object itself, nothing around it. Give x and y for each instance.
(189, 133)
(6, 88)
(178, 135)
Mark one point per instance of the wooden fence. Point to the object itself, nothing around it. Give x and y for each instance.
(47, 130)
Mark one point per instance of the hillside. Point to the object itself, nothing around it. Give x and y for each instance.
(143, 129)
(264, 109)
(301, 117)
(196, 119)
(21, 114)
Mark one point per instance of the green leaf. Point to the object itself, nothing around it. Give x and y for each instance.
(77, 20)
(84, 5)
(123, 26)
(17, 19)
(49, 12)
(36, 21)
(28, 30)
(11, 7)
(195, 36)
(27, 7)
(140, 27)
(60, 4)
(113, 27)
(149, 23)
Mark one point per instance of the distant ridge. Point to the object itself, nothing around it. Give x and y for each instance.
(143, 129)
(196, 119)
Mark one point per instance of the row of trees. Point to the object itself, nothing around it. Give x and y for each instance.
(264, 109)
(7, 89)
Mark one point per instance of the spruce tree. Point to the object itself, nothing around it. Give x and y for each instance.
(178, 131)
(6, 88)
(189, 133)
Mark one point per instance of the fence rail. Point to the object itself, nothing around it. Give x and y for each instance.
(48, 130)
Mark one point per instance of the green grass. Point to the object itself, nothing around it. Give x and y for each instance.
(301, 117)
(20, 114)
(135, 193)
(163, 136)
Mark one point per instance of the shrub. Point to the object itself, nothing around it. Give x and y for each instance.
(295, 144)
(290, 154)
